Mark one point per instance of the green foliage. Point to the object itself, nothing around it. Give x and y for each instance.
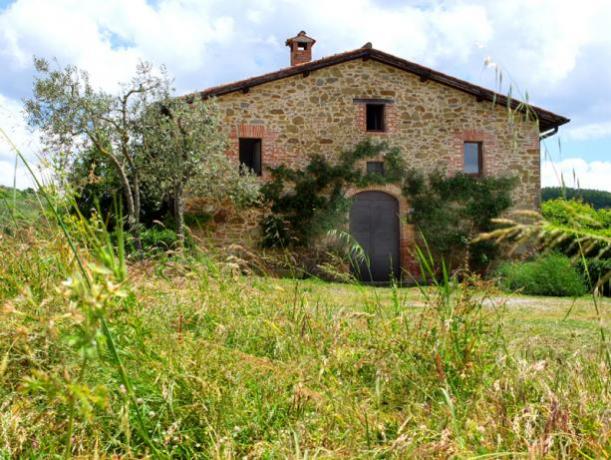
(450, 210)
(570, 227)
(586, 237)
(17, 206)
(178, 139)
(306, 203)
(142, 143)
(596, 273)
(550, 274)
(598, 199)
(156, 238)
(578, 216)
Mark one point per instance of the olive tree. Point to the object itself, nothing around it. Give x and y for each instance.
(160, 146)
(75, 119)
(184, 152)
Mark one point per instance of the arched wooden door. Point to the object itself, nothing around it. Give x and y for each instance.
(374, 223)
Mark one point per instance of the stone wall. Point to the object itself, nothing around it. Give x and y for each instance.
(322, 112)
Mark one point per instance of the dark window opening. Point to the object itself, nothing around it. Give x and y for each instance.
(473, 158)
(302, 46)
(375, 117)
(375, 167)
(250, 154)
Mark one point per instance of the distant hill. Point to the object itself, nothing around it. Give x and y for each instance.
(24, 201)
(597, 198)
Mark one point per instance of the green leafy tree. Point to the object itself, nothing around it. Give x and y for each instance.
(151, 144)
(76, 119)
(183, 152)
(597, 198)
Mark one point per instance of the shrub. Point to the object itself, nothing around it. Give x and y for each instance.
(158, 238)
(576, 215)
(550, 274)
(595, 272)
(450, 210)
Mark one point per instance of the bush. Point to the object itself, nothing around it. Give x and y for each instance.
(450, 210)
(577, 215)
(596, 271)
(550, 274)
(158, 238)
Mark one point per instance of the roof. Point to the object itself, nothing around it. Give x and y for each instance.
(547, 119)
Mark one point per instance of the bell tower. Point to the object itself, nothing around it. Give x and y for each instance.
(301, 48)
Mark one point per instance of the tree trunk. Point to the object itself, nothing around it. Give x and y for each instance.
(179, 214)
(133, 213)
(136, 193)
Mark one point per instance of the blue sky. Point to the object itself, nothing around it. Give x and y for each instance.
(558, 51)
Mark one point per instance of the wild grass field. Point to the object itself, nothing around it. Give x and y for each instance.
(184, 357)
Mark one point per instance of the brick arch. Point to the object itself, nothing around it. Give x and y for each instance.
(406, 230)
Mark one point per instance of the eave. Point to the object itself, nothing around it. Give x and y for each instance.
(547, 120)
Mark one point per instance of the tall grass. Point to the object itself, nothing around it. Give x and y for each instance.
(100, 358)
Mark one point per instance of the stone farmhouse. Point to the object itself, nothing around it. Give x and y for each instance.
(327, 105)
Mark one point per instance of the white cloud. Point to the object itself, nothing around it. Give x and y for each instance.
(9, 175)
(590, 131)
(576, 172)
(558, 50)
(109, 37)
(13, 125)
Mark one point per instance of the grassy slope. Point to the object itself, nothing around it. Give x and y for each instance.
(21, 206)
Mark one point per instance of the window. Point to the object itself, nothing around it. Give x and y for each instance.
(375, 167)
(302, 46)
(473, 158)
(250, 154)
(375, 117)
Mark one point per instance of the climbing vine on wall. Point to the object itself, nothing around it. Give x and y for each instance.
(449, 211)
(304, 203)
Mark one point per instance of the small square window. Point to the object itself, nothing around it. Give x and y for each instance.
(250, 154)
(472, 158)
(375, 117)
(375, 167)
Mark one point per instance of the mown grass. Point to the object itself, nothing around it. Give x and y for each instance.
(182, 357)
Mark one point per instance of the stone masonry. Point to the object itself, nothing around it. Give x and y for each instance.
(323, 112)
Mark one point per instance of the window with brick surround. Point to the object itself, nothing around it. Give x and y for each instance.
(472, 158)
(375, 117)
(375, 167)
(250, 154)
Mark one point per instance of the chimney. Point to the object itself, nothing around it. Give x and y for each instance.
(301, 48)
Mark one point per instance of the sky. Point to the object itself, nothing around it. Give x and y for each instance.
(558, 52)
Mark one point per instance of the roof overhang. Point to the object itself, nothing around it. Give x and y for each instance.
(547, 120)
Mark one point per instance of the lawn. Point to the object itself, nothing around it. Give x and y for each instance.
(548, 325)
